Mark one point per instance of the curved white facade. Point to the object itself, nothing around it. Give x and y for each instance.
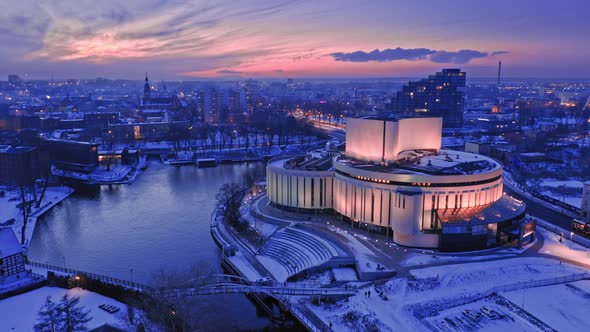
(297, 188)
(407, 203)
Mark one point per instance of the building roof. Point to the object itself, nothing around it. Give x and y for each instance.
(447, 162)
(9, 244)
(16, 149)
(506, 208)
(305, 163)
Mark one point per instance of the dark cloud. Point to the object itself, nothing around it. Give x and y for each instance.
(459, 57)
(385, 55)
(395, 54)
(498, 53)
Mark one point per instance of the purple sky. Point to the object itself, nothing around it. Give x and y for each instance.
(293, 38)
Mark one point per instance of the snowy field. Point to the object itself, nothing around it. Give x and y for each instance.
(409, 303)
(19, 313)
(504, 271)
(566, 309)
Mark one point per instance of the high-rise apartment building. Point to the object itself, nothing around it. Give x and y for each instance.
(439, 95)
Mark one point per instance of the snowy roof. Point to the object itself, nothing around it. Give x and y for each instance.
(447, 162)
(533, 154)
(8, 243)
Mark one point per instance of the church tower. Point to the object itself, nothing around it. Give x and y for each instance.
(146, 89)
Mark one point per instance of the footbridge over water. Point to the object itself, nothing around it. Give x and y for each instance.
(208, 285)
(231, 284)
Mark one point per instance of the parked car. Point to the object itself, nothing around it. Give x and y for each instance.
(473, 315)
(489, 312)
(266, 281)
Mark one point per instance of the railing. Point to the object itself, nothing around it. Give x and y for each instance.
(539, 283)
(422, 310)
(309, 319)
(94, 276)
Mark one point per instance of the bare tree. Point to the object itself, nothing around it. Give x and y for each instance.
(48, 317)
(26, 204)
(44, 181)
(65, 316)
(74, 316)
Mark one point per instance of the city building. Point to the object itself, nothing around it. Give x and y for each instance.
(395, 178)
(12, 261)
(586, 202)
(20, 165)
(478, 147)
(439, 95)
(72, 155)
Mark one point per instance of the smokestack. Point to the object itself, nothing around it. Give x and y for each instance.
(499, 71)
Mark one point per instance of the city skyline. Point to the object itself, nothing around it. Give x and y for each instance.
(332, 39)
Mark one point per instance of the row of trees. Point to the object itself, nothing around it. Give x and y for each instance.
(230, 198)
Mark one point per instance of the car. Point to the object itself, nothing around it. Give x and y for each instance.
(474, 315)
(489, 312)
(266, 281)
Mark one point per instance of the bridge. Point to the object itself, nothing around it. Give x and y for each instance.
(212, 285)
(231, 284)
(229, 288)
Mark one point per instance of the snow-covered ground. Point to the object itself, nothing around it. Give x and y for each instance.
(11, 215)
(566, 308)
(344, 274)
(422, 259)
(406, 302)
(19, 313)
(503, 272)
(566, 249)
(568, 199)
(553, 183)
(367, 261)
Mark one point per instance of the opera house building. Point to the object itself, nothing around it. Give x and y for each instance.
(393, 177)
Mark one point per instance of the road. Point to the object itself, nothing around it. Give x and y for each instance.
(538, 210)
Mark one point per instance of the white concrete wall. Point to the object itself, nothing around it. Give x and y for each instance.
(418, 133)
(365, 138)
(407, 209)
(293, 187)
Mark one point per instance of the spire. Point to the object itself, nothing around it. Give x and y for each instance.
(146, 88)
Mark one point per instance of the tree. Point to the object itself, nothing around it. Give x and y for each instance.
(48, 317)
(26, 204)
(230, 198)
(44, 180)
(74, 316)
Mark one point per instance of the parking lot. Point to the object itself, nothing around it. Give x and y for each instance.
(501, 315)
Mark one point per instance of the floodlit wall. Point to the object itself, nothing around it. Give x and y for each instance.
(408, 210)
(364, 139)
(298, 188)
(380, 140)
(418, 133)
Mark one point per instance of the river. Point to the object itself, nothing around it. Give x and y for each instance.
(160, 222)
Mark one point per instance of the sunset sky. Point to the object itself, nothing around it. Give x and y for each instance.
(306, 38)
